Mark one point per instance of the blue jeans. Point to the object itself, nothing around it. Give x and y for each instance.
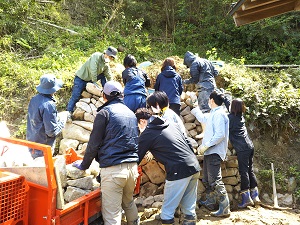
(181, 193)
(78, 87)
(135, 101)
(102, 79)
(203, 97)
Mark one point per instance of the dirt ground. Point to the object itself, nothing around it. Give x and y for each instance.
(252, 215)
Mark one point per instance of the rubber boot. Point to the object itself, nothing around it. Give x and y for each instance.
(246, 199)
(200, 136)
(255, 196)
(210, 201)
(189, 220)
(224, 206)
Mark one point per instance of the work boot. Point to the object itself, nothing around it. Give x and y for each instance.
(224, 206)
(210, 202)
(255, 196)
(135, 222)
(168, 222)
(189, 220)
(246, 199)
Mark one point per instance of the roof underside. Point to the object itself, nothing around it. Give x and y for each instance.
(248, 11)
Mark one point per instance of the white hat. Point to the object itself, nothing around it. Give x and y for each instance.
(112, 88)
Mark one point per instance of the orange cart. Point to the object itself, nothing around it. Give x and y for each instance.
(42, 196)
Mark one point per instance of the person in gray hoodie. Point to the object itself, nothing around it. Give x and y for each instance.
(203, 74)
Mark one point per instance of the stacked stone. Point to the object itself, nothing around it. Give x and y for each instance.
(75, 183)
(76, 135)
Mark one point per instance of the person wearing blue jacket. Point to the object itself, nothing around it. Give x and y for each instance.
(135, 81)
(203, 74)
(43, 123)
(170, 82)
(114, 144)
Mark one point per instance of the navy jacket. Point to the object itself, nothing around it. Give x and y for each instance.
(135, 81)
(169, 146)
(114, 138)
(238, 134)
(170, 82)
(202, 71)
(42, 121)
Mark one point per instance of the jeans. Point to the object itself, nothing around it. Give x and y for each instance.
(135, 101)
(78, 87)
(36, 153)
(212, 175)
(102, 79)
(203, 97)
(181, 192)
(117, 186)
(248, 178)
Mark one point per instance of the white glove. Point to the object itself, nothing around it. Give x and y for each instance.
(148, 156)
(63, 116)
(202, 149)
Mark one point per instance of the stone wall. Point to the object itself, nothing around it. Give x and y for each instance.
(76, 135)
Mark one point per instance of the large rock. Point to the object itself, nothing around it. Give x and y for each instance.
(72, 131)
(154, 172)
(66, 143)
(85, 183)
(91, 88)
(84, 124)
(73, 193)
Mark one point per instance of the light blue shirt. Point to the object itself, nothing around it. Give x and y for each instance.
(216, 132)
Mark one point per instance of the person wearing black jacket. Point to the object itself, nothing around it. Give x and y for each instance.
(114, 144)
(241, 142)
(170, 147)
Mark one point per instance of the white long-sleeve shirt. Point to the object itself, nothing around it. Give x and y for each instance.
(216, 131)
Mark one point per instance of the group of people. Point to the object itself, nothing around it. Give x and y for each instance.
(132, 124)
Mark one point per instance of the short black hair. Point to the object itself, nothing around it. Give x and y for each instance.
(129, 61)
(142, 113)
(158, 97)
(218, 97)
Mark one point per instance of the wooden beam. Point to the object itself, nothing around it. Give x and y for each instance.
(297, 5)
(249, 18)
(251, 5)
(290, 4)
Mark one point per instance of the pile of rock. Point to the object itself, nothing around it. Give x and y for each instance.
(74, 183)
(76, 135)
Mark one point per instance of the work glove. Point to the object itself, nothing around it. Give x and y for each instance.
(202, 149)
(148, 156)
(77, 164)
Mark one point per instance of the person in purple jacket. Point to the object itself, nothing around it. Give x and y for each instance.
(170, 82)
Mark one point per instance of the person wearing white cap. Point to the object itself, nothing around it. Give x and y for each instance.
(43, 123)
(114, 144)
(94, 69)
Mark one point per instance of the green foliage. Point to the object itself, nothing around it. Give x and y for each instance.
(272, 97)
